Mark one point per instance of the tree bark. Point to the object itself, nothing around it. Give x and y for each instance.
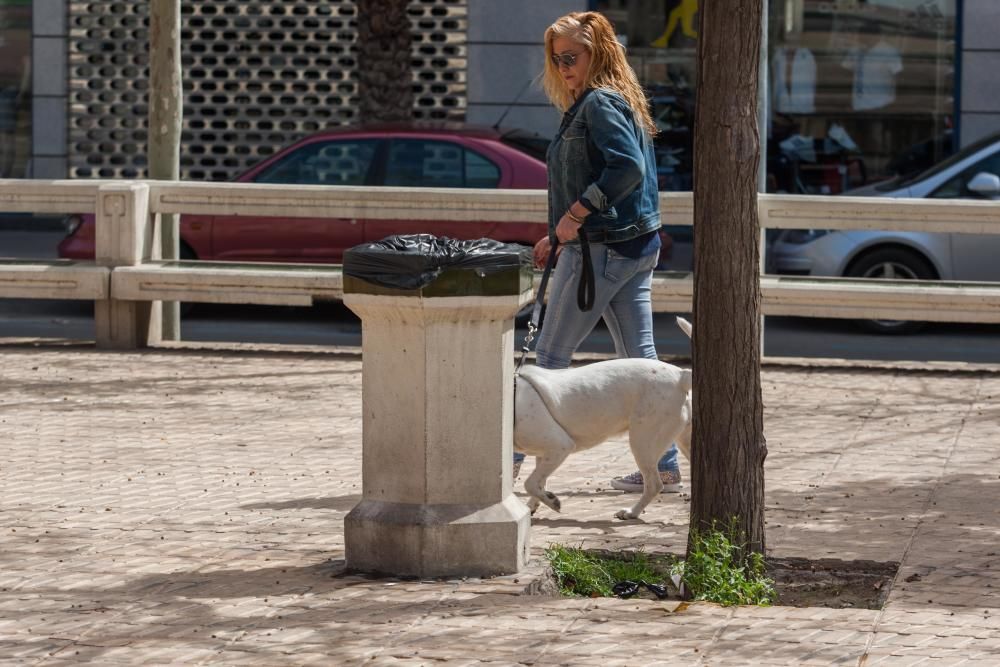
(166, 110)
(385, 76)
(728, 448)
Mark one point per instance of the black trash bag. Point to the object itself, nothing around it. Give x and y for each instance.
(413, 261)
(626, 589)
(659, 590)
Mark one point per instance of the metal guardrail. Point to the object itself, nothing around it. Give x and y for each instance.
(127, 276)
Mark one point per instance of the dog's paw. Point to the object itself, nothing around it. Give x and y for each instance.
(552, 500)
(625, 515)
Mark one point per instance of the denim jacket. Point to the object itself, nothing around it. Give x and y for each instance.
(603, 157)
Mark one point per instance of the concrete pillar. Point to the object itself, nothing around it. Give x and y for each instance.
(49, 91)
(437, 397)
(124, 237)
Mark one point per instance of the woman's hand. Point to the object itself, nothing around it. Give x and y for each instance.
(569, 225)
(541, 254)
(567, 229)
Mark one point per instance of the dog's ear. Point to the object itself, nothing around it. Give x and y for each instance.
(685, 326)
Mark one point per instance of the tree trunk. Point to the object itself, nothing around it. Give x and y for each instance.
(385, 76)
(166, 110)
(728, 448)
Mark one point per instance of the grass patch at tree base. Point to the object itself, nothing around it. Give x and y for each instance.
(798, 582)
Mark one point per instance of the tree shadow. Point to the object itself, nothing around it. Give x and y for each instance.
(337, 503)
(330, 612)
(606, 527)
(341, 616)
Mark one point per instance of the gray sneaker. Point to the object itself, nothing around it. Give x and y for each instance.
(633, 483)
(517, 469)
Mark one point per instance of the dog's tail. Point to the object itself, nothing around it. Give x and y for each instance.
(685, 374)
(685, 326)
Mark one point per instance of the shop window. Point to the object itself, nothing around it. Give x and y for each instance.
(15, 88)
(858, 91)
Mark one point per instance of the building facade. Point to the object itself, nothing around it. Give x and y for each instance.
(858, 89)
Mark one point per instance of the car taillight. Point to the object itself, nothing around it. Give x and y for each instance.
(72, 223)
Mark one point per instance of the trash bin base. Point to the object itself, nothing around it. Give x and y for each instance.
(437, 540)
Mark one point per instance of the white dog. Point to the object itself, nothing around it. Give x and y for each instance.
(558, 412)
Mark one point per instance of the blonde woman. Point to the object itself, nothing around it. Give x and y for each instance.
(602, 183)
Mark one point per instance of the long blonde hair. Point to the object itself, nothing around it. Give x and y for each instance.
(608, 66)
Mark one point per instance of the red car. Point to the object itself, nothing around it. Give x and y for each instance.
(449, 156)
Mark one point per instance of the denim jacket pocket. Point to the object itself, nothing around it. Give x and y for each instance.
(572, 151)
(577, 129)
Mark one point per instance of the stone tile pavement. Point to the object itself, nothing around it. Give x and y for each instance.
(186, 507)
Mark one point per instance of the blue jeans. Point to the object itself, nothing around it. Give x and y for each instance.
(622, 298)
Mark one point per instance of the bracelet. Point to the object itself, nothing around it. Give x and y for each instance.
(572, 216)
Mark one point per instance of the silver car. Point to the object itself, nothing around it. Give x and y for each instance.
(972, 173)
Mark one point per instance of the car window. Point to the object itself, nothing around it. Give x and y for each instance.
(954, 159)
(955, 186)
(534, 145)
(438, 164)
(480, 172)
(345, 162)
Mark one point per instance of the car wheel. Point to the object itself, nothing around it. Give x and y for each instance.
(892, 264)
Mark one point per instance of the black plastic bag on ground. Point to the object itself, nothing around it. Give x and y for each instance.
(626, 589)
(413, 261)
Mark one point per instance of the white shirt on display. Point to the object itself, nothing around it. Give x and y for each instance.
(794, 75)
(875, 73)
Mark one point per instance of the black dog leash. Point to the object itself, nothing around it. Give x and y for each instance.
(536, 311)
(585, 291)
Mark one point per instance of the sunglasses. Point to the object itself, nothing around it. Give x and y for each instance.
(567, 59)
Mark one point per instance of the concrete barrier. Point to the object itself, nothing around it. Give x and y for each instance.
(125, 237)
(56, 279)
(127, 308)
(924, 300)
(228, 282)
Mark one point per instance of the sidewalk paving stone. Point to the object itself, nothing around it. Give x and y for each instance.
(186, 507)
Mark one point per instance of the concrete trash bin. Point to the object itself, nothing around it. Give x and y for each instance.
(437, 399)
